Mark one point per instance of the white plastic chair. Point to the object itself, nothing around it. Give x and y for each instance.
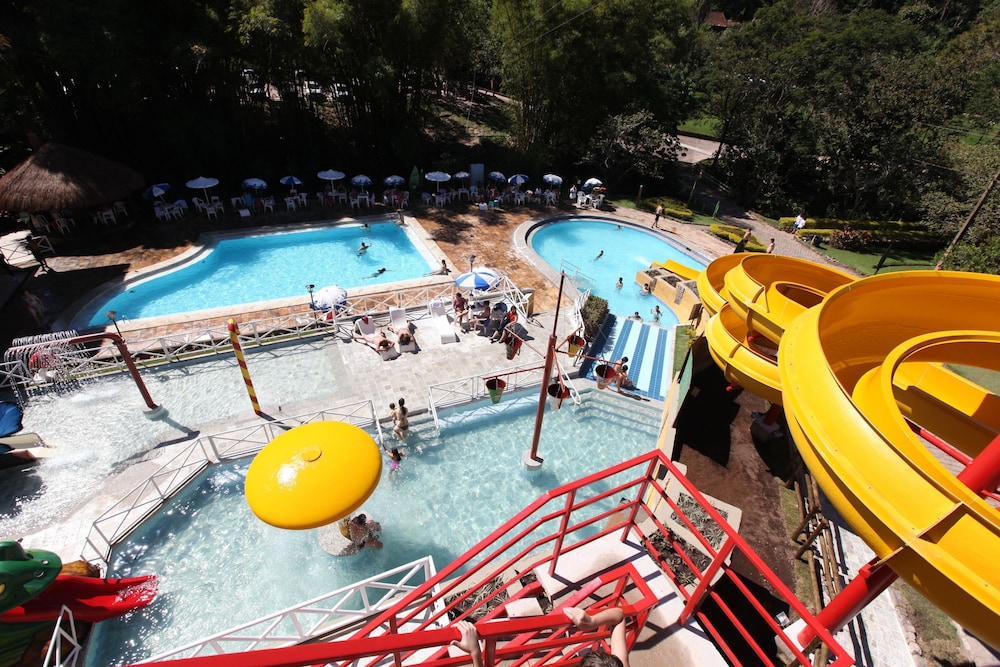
(291, 203)
(212, 212)
(269, 204)
(302, 200)
(355, 203)
(119, 208)
(405, 201)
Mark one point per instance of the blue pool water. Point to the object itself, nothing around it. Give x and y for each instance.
(220, 566)
(272, 266)
(626, 251)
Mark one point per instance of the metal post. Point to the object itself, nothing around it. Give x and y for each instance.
(234, 338)
(531, 461)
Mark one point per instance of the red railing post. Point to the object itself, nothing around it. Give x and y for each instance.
(706, 580)
(563, 523)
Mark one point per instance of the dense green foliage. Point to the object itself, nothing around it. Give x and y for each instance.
(876, 110)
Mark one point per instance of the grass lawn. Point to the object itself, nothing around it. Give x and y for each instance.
(703, 125)
(865, 262)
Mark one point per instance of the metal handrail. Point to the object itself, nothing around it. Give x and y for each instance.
(61, 639)
(205, 340)
(146, 498)
(322, 616)
(619, 503)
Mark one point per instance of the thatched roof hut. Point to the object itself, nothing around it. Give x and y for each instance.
(57, 177)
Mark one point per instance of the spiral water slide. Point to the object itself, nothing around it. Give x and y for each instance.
(858, 367)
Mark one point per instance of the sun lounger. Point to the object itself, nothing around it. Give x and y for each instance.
(439, 320)
(365, 329)
(399, 324)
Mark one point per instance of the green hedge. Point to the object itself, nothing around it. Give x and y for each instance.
(595, 310)
(734, 234)
(904, 234)
(672, 208)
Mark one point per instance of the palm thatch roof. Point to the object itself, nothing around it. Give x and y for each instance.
(58, 177)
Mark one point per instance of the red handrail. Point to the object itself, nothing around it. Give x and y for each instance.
(560, 521)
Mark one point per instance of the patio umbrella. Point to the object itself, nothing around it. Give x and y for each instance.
(331, 297)
(361, 181)
(157, 190)
(393, 181)
(203, 183)
(480, 279)
(437, 176)
(58, 177)
(331, 175)
(254, 184)
(552, 179)
(518, 179)
(591, 183)
(313, 475)
(497, 176)
(461, 175)
(290, 180)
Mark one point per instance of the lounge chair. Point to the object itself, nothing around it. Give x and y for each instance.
(365, 329)
(399, 324)
(439, 320)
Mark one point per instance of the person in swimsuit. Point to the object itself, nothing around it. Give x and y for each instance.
(364, 532)
(395, 460)
(400, 420)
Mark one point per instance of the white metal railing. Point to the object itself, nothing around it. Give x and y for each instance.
(72, 362)
(17, 253)
(115, 524)
(64, 646)
(473, 388)
(325, 615)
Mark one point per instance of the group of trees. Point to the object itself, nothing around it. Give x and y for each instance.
(883, 109)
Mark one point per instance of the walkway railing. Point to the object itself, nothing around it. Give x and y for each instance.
(74, 363)
(624, 503)
(64, 646)
(115, 524)
(323, 616)
(468, 389)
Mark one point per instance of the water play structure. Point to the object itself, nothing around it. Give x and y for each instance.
(859, 366)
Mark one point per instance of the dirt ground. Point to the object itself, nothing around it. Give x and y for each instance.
(713, 434)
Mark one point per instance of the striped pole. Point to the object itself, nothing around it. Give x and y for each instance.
(234, 338)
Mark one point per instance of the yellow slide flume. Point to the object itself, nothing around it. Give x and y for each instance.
(851, 371)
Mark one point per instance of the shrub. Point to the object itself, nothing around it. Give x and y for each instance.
(595, 311)
(734, 234)
(672, 208)
(851, 239)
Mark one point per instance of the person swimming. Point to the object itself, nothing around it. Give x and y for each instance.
(377, 273)
(364, 248)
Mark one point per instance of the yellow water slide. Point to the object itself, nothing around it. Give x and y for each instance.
(855, 369)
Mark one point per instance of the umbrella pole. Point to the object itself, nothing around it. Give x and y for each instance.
(531, 460)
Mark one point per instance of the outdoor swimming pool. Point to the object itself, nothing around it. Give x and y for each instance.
(220, 566)
(275, 265)
(575, 243)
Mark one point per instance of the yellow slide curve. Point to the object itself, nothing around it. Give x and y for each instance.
(853, 361)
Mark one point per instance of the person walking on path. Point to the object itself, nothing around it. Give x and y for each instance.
(742, 245)
(770, 247)
(656, 216)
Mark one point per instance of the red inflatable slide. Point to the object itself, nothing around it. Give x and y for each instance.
(89, 598)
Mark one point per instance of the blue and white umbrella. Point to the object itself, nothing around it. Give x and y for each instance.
(332, 297)
(592, 183)
(461, 174)
(290, 180)
(330, 175)
(518, 179)
(393, 181)
(496, 176)
(552, 179)
(254, 184)
(157, 190)
(437, 176)
(479, 279)
(360, 181)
